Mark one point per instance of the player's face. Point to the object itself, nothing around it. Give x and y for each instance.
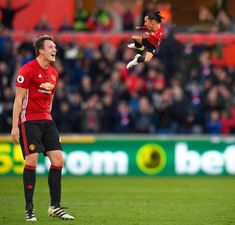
(49, 50)
(147, 22)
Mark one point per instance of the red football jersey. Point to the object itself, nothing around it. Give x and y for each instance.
(155, 37)
(40, 84)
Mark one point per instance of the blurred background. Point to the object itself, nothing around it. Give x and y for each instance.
(188, 88)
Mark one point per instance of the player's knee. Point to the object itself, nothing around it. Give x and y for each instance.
(136, 38)
(58, 160)
(147, 60)
(61, 162)
(31, 159)
(133, 37)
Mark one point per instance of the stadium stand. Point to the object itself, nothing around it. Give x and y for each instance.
(187, 89)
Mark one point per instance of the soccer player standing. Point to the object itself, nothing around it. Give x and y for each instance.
(34, 128)
(151, 41)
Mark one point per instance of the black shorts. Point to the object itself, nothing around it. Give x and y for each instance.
(149, 47)
(38, 136)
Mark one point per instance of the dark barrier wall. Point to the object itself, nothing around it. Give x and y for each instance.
(133, 156)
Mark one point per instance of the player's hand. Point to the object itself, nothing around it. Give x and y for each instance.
(15, 135)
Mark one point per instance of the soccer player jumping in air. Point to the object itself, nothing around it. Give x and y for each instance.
(150, 41)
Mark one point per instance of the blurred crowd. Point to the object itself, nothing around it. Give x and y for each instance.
(181, 91)
(126, 18)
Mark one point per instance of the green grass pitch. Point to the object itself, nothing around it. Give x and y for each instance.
(127, 201)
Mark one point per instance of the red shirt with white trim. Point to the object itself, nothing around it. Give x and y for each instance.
(40, 84)
(154, 37)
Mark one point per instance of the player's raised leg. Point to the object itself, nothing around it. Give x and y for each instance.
(133, 62)
(139, 58)
(137, 43)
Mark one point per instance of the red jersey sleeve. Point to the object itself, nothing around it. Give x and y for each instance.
(23, 76)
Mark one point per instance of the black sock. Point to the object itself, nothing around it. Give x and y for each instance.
(137, 44)
(29, 180)
(54, 181)
(140, 59)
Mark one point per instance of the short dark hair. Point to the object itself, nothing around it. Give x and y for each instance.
(155, 16)
(39, 43)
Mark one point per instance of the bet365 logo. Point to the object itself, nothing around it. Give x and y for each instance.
(151, 158)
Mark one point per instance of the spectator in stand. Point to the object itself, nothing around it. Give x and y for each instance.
(86, 89)
(213, 124)
(103, 18)
(205, 14)
(26, 46)
(166, 121)
(108, 113)
(91, 115)
(65, 26)
(129, 14)
(189, 123)
(155, 81)
(205, 65)
(117, 84)
(75, 101)
(133, 101)
(25, 50)
(216, 99)
(144, 117)
(43, 24)
(224, 22)
(122, 122)
(8, 13)
(65, 115)
(81, 18)
(228, 121)
(205, 20)
(61, 95)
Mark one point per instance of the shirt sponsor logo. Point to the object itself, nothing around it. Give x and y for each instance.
(20, 79)
(47, 86)
(44, 91)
